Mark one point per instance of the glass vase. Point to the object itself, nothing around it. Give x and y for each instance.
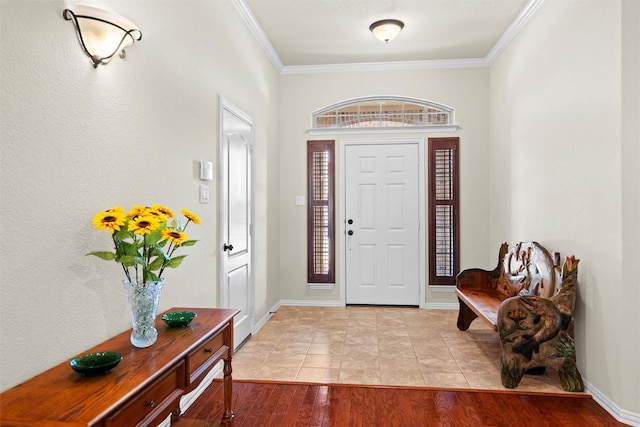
(143, 304)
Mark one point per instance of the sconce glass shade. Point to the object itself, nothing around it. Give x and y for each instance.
(387, 29)
(102, 34)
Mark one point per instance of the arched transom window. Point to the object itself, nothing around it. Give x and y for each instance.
(392, 113)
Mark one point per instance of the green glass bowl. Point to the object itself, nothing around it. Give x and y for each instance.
(96, 363)
(178, 319)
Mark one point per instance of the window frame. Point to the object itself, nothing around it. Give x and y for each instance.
(343, 128)
(313, 277)
(435, 144)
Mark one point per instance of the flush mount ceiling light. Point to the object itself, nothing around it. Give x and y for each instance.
(102, 34)
(387, 29)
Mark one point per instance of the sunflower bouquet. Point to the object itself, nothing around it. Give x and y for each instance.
(145, 239)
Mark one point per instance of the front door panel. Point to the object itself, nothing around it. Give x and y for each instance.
(382, 241)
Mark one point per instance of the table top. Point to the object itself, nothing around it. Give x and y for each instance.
(62, 395)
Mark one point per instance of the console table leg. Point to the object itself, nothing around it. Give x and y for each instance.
(175, 414)
(227, 384)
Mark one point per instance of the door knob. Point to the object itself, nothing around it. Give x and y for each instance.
(350, 221)
(350, 232)
(227, 247)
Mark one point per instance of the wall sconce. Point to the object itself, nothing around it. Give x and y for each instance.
(102, 34)
(387, 29)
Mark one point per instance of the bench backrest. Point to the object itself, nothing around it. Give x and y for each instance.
(529, 269)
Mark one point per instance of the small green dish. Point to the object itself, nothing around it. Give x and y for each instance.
(96, 363)
(178, 319)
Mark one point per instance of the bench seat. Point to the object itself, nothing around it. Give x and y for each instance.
(529, 300)
(484, 303)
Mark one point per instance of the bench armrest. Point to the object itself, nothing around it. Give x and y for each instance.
(477, 278)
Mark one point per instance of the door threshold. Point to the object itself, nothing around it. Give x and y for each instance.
(383, 305)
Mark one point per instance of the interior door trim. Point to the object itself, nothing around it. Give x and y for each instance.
(225, 105)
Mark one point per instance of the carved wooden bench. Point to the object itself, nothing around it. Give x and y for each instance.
(529, 299)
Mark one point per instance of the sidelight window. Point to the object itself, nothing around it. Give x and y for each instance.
(320, 213)
(444, 236)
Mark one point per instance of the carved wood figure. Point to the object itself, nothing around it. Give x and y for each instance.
(529, 299)
(537, 331)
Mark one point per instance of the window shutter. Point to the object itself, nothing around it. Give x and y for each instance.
(320, 214)
(443, 211)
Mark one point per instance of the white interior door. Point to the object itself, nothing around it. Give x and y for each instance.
(235, 205)
(382, 224)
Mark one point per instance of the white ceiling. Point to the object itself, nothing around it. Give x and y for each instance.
(312, 33)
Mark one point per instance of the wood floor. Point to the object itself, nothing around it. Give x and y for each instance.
(297, 404)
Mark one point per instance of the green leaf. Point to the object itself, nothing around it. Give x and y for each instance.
(150, 276)
(156, 264)
(123, 234)
(158, 251)
(104, 255)
(175, 262)
(131, 249)
(129, 261)
(153, 238)
(189, 242)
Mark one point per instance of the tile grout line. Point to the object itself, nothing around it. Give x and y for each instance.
(351, 318)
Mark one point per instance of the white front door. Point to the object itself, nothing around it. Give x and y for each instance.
(382, 224)
(236, 289)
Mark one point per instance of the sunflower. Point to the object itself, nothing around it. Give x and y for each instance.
(145, 239)
(174, 237)
(159, 215)
(135, 211)
(191, 216)
(165, 211)
(144, 224)
(110, 219)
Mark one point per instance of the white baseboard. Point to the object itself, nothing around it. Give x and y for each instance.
(336, 303)
(442, 305)
(619, 414)
(266, 317)
(187, 400)
(311, 303)
(446, 289)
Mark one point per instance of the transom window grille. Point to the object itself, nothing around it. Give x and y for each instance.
(383, 112)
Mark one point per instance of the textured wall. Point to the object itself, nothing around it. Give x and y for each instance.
(564, 167)
(74, 140)
(77, 140)
(466, 90)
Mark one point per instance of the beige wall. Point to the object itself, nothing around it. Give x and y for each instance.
(466, 90)
(77, 140)
(564, 169)
(536, 130)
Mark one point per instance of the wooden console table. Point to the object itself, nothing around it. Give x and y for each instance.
(142, 390)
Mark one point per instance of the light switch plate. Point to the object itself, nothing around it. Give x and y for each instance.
(204, 193)
(299, 200)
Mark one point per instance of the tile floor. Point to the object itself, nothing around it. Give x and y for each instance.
(378, 345)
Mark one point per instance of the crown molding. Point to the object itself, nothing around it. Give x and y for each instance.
(529, 10)
(385, 66)
(258, 33)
